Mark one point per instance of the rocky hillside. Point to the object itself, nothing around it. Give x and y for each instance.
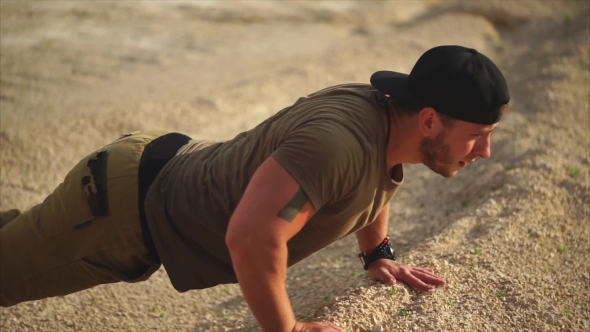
(511, 234)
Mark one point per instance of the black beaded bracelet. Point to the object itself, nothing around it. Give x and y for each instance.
(383, 250)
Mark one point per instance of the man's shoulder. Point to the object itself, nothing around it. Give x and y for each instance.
(342, 101)
(345, 89)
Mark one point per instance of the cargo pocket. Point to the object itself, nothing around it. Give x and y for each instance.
(81, 198)
(94, 185)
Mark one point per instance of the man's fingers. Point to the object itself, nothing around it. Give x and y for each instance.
(417, 283)
(390, 281)
(335, 327)
(387, 278)
(427, 272)
(424, 269)
(317, 327)
(426, 277)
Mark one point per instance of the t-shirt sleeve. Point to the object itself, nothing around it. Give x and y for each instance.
(325, 158)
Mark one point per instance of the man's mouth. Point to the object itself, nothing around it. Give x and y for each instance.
(464, 163)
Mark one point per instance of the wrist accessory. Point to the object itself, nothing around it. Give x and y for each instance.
(383, 250)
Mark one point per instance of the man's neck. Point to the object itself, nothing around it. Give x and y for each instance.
(404, 141)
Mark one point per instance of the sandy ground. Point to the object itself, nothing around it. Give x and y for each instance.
(511, 234)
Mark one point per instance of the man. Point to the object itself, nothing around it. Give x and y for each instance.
(245, 209)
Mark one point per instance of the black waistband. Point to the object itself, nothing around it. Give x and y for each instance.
(155, 155)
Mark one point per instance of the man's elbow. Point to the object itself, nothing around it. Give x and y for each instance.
(234, 241)
(246, 243)
(240, 240)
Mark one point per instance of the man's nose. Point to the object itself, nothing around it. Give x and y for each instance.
(482, 147)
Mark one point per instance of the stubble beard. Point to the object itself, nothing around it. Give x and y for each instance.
(436, 155)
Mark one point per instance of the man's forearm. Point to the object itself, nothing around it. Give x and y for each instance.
(261, 273)
(372, 235)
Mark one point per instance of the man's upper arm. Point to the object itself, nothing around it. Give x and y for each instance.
(272, 210)
(326, 158)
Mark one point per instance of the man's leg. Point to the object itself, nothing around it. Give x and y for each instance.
(73, 241)
(8, 216)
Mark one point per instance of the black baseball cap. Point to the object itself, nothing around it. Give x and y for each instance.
(454, 80)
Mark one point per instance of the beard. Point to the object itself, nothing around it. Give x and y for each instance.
(436, 155)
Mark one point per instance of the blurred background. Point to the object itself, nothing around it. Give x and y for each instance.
(75, 75)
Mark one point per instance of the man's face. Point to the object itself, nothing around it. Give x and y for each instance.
(456, 146)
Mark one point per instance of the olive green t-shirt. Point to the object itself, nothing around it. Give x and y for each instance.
(333, 144)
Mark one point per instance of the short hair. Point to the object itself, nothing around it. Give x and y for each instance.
(406, 108)
(409, 108)
(447, 121)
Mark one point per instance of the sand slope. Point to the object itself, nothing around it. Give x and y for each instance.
(74, 76)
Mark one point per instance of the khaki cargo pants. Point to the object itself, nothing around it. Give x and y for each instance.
(79, 237)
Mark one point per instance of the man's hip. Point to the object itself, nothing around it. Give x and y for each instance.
(87, 232)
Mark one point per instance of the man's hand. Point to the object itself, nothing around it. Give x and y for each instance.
(388, 272)
(316, 327)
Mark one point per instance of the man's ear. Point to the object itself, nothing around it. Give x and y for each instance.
(428, 122)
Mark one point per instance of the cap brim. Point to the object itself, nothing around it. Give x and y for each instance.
(393, 84)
